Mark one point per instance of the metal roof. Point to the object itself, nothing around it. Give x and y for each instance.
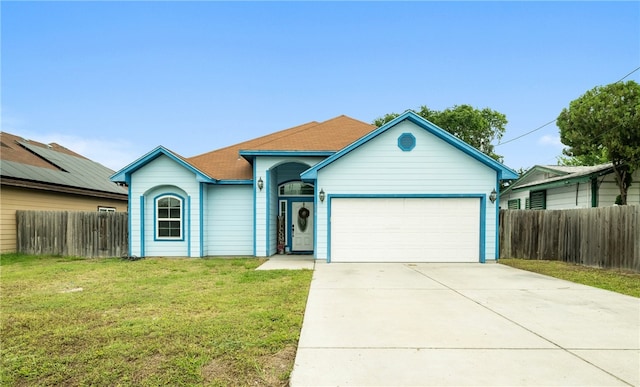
(71, 171)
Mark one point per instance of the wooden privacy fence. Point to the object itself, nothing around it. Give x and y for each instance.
(604, 237)
(69, 233)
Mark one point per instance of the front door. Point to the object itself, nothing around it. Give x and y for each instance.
(301, 226)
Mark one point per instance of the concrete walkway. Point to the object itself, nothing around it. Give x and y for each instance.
(463, 324)
(288, 262)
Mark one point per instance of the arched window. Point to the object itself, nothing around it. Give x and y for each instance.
(168, 217)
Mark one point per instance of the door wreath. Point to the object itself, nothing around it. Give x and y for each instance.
(303, 214)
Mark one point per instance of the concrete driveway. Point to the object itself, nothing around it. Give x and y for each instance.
(463, 324)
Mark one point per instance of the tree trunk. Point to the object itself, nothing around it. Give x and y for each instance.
(622, 178)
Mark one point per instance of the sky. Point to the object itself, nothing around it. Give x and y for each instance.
(114, 80)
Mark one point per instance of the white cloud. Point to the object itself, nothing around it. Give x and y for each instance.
(550, 140)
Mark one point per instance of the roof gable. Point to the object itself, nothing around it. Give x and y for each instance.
(124, 175)
(503, 171)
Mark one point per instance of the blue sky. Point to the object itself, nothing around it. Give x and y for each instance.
(113, 80)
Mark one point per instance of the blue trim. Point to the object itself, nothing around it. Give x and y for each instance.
(124, 175)
(483, 229)
(402, 142)
(188, 231)
(142, 254)
(251, 154)
(300, 199)
(497, 226)
(201, 213)
(237, 182)
(481, 196)
(327, 199)
(255, 209)
(155, 218)
(129, 221)
(311, 174)
(315, 222)
(268, 214)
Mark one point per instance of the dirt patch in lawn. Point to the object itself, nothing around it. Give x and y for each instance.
(278, 366)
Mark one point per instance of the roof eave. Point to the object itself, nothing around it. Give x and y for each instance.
(564, 181)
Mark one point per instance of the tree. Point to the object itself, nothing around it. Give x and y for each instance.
(477, 128)
(606, 119)
(601, 157)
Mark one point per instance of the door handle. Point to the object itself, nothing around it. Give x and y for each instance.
(293, 228)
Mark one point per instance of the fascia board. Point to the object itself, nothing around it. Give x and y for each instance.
(554, 184)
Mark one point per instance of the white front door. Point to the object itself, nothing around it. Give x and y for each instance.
(301, 226)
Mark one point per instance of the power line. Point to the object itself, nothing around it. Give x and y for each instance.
(636, 69)
(528, 133)
(552, 121)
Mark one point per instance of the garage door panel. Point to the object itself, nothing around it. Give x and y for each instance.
(405, 230)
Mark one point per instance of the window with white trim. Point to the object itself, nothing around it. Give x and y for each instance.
(169, 217)
(106, 209)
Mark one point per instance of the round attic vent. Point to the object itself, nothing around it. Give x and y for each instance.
(406, 142)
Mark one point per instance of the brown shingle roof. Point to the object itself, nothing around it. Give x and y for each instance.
(331, 135)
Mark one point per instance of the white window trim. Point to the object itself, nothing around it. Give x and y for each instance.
(158, 219)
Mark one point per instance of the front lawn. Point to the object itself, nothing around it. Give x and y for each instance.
(70, 321)
(614, 280)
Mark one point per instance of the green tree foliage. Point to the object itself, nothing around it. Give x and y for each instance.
(478, 128)
(600, 157)
(606, 119)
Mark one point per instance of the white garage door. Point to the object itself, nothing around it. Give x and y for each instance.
(405, 230)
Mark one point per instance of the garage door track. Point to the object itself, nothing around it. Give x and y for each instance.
(463, 324)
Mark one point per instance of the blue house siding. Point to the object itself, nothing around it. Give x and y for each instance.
(150, 182)
(229, 220)
(407, 158)
(380, 168)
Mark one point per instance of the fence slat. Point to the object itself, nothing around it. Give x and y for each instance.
(604, 237)
(72, 233)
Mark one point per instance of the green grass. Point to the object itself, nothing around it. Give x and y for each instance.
(166, 321)
(615, 280)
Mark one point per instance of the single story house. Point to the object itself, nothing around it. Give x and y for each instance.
(341, 190)
(556, 187)
(50, 177)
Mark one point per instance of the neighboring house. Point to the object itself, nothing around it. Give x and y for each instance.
(341, 189)
(36, 176)
(555, 187)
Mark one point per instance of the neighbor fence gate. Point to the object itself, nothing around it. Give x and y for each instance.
(604, 237)
(72, 233)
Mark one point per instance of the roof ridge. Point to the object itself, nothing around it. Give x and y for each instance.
(239, 144)
(305, 128)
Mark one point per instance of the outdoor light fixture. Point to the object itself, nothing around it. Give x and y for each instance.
(260, 183)
(493, 196)
(321, 195)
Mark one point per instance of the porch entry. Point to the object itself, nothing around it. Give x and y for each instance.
(295, 231)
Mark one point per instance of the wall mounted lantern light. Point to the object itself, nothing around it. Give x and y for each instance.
(493, 196)
(321, 195)
(260, 183)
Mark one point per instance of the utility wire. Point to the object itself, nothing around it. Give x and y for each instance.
(636, 69)
(526, 134)
(552, 121)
